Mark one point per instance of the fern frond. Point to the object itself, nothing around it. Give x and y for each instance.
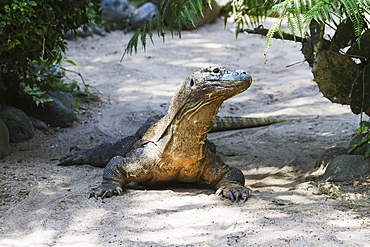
(355, 14)
(176, 12)
(298, 14)
(247, 12)
(273, 29)
(143, 35)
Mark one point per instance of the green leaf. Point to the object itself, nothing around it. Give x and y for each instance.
(71, 62)
(363, 140)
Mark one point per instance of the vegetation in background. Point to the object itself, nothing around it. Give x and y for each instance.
(340, 62)
(31, 40)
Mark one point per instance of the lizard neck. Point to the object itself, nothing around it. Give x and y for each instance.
(187, 133)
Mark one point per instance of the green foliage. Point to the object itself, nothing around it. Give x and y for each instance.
(31, 32)
(37, 94)
(51, 78)
(331, 192)
(364, 130)
(247, 13)
(298, 14)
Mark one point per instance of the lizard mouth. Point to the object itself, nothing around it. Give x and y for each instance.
(235, 76)
(219, 85)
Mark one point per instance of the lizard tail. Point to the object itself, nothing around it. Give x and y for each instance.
(232, 123)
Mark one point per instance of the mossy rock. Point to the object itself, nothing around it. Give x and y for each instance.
(335, 73)
(60, 112)
(346, 167)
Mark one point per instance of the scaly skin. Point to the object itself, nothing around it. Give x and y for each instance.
(175, 147)
(99, 156)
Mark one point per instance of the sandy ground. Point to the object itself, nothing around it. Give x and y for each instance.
(46, 205)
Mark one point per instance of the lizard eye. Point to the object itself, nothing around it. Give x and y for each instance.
(216, 71)
(191, 82)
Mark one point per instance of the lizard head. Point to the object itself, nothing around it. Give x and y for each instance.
(217, 82)
(211, 84)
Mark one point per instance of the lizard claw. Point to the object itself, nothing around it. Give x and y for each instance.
(234, 191)
(106, 191)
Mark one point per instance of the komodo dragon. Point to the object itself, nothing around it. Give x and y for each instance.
(175, 147)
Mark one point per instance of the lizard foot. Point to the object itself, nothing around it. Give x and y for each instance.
(106, 190)
(78, 158)
(234, 191)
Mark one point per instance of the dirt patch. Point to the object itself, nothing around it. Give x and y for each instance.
(46, 205)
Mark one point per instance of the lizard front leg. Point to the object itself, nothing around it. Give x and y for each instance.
(123, 170)
(114, 178)
(228, 181)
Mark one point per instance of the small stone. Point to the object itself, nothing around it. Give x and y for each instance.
(40, 125)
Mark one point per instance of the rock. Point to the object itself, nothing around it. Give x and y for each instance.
(347, 167)
(116, 12)
(142, 14)
(58, 113)
(4, 139)
(360, 150)
(18, 123)
(328, 155)
(40, 125)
